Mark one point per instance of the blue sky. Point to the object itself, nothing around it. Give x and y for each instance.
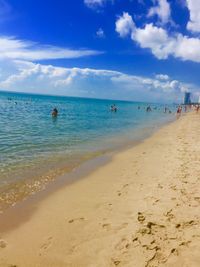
(120, 49)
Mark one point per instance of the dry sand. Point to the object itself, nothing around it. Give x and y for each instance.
(140, 210)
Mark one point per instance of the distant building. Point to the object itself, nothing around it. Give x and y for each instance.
(187, 98)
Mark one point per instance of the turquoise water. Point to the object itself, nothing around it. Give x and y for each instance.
(30, 139)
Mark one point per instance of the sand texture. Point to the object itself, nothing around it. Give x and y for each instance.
(141, 209)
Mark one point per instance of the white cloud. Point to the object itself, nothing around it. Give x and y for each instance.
(155, 84)
(154, 38)
(124, 25)
(13, 48)
(100, 33)
(162, 10)
(157, 39)
(88, 82)
(194, 9)
(95, 3)
(162, 77)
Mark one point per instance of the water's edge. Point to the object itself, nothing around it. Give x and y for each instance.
(14, 215)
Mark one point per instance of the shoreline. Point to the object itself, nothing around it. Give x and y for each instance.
(16, 192)
(10, 219)
(136, 209)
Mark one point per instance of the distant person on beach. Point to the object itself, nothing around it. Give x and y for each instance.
(185, 108)
(178, 112)
(113, 108)
(54, 112)
(197, 108)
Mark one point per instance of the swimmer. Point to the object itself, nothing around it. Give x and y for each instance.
(54, 112)
(113, 108)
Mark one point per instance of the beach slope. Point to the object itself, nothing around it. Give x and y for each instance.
(141, 209)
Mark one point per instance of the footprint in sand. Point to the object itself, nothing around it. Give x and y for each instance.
(123, 190)
(155, 200)
(47, 244)
(123, 244)
(141, 217)
(197, 199)
(125, 185)
(186, 224)
(3, 243)
(106, 226)
(185, 243)
(169, 215)
(173, 187)
(76, 219)
(116, 262)
(160, 186)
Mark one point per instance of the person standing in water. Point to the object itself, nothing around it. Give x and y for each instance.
(113, 108)
(54, 112)
(148, 109)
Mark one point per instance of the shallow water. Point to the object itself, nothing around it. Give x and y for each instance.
(33, 144)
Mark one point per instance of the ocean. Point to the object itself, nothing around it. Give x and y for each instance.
(35, 148)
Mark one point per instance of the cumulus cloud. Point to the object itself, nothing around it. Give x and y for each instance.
(13, 48)
(87, 82)
(100, 33)
(154, 38)
(162, 10)
(159, 41)
(194, 9)
(124, 25)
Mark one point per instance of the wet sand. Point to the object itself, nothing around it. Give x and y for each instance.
(141, 209)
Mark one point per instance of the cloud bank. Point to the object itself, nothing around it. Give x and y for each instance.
(87, 82)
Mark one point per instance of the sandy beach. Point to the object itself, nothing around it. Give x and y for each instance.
(141, 209)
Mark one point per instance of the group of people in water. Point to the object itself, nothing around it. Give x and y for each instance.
(54, 113)
(179, 110)
(113, 108)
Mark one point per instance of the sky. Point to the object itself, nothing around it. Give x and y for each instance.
(140, 50)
